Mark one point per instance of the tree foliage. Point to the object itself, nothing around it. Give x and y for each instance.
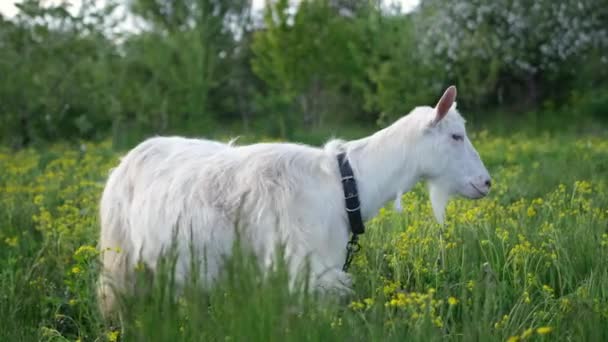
(491, 46)
(310, 61)
(198, 65)
(53, 66)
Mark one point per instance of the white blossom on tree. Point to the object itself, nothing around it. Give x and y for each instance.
(519, 37)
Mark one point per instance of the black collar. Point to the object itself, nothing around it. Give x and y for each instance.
(351, 195)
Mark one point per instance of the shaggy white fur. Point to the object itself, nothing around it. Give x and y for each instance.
(198, 191)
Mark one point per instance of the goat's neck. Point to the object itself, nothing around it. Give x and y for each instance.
(384, 167)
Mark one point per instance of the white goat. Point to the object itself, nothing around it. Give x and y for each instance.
(197, 190)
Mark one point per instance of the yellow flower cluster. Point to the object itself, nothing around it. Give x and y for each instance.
(417, 306)
(526, 334)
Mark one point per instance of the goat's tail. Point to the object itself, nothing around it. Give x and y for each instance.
(115, 245)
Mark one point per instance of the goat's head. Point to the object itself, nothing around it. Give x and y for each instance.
(451, 164)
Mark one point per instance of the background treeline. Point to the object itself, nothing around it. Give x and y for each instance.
(203, 66)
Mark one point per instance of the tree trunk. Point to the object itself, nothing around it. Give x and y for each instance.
(532, 95)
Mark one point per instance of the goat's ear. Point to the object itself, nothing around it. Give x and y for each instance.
(445, 103)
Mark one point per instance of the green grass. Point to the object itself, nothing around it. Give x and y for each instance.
(534, 254)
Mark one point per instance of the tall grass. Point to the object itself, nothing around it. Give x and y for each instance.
(528, 262)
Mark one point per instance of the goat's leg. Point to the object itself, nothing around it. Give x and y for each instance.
(334, 281)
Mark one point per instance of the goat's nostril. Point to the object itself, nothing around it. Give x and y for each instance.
(488, 183)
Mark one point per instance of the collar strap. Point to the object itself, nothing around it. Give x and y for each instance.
(351, 195)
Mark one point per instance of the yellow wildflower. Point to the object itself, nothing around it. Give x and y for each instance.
(470, 285)
(583, 187)
(85, 250)
(438, 322)
(544, 330)
(12, 242)
(356, 305)
(38, 199)
(390, 288)
(548, 290)
(113, 335)
(527, 333)
(452, 301)
(502, 322)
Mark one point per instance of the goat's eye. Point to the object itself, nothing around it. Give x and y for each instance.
(457, 137)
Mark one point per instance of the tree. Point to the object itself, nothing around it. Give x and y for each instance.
(55, 67)
(196, 39)
(309, 61)
(487, 45)
(399, 78)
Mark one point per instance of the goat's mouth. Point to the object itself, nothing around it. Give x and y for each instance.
(481, 193)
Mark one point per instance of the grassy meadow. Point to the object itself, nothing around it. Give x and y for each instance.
(529, 262)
